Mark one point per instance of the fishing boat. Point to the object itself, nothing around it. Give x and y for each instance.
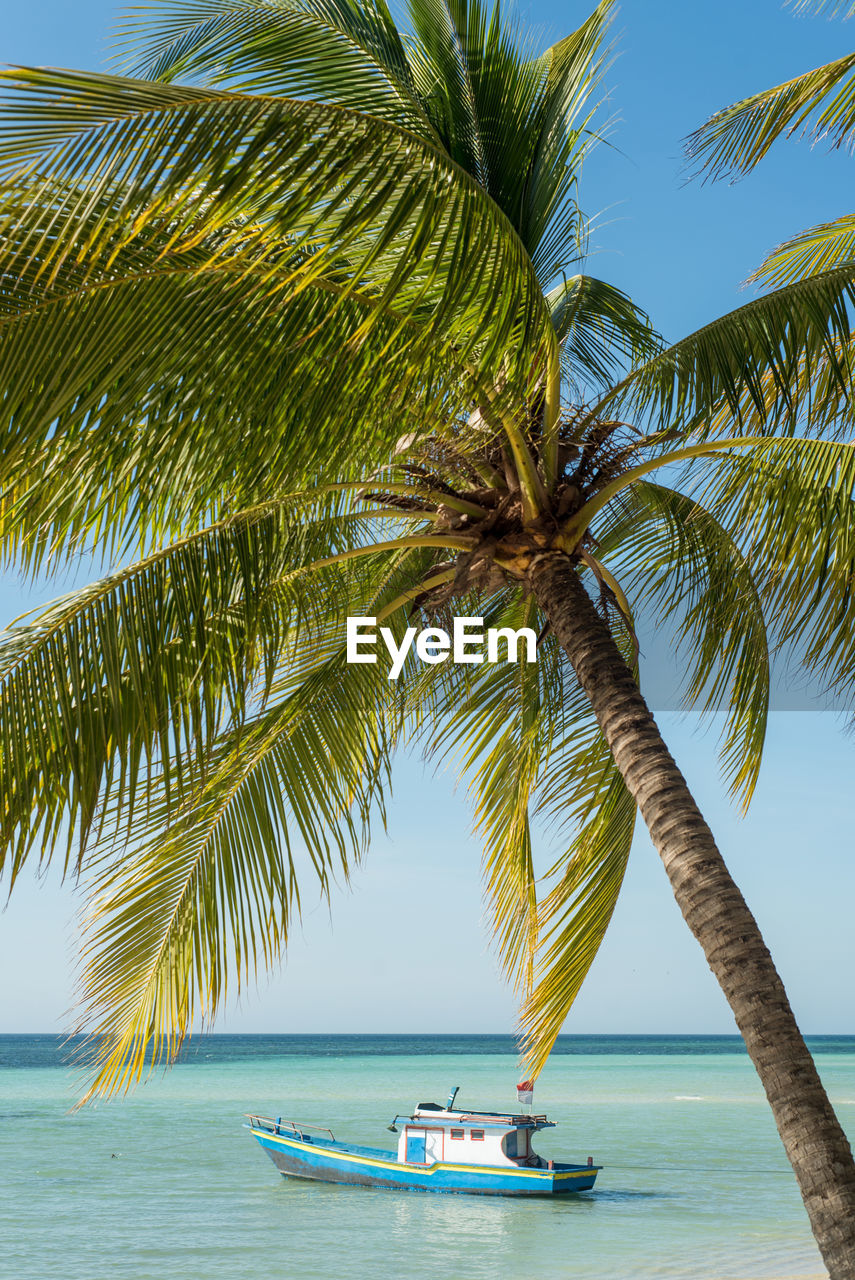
(439, 1149)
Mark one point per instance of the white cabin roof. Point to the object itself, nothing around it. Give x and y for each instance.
(431, 1112)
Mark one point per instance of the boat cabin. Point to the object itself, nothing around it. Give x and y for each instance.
(433, 1134)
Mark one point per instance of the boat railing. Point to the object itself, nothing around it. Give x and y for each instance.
(298, 1127)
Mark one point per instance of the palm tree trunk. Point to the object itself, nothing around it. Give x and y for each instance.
(714, 910)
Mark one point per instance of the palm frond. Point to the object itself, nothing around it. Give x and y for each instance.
(822, 248)
(515, 121)
(821, 386)
(833, 8)
(142, 668)
(597, 819)
(198, 884)
(114, 444)
(600, 329)
(577, 912)
(479, 88)
(752, 369)
(793, 502)
(348, 54)
(231, 276)
(110, 689)
(497, 721)
(550, 224)
(525, 739)
(461, 78)
(209, 895)
(735, 140)
(677, 562)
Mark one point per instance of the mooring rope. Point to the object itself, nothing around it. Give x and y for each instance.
(695, 1168)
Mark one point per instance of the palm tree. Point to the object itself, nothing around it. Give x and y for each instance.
(309, 336)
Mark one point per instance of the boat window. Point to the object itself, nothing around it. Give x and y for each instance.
(457, 1133)
(477, 1135)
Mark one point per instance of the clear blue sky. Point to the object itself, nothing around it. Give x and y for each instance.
(681, 250)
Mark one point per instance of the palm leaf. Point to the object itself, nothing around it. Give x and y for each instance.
(110, 689)
(117, 443)
(200, 885)
(141, 668)
(596, 819)
(677, 562)
(599, 328)
(792, 502)
(527, 742)
(831, 7)
(823, 248)
(550, 224)
(497, 723)
(212, 893)
(751, 368)
(733, 141)
(352, 55)
(226, 266)
(577, 912)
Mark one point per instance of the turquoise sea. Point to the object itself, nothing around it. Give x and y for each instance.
(167, 1184)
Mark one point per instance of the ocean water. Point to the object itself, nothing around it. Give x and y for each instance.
(167, 1183)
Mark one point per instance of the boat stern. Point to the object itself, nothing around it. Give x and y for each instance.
(573, 1177)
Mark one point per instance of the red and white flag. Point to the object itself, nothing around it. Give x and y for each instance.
(525, 1091)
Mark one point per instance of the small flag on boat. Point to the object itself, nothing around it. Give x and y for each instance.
(525, 1092)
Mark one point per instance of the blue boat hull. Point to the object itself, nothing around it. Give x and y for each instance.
(328, 1161)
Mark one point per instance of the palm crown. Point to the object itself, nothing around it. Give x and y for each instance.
(315, 343)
